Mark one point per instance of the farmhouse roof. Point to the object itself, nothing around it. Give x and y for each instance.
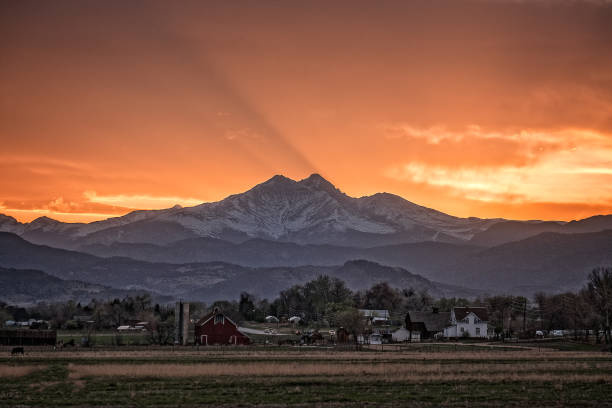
(480, 312)
(433, 321)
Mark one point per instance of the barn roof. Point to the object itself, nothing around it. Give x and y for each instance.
(433, 321)
(481, 312)
(209, 316)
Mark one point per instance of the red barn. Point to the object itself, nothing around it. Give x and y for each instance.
(217, 328)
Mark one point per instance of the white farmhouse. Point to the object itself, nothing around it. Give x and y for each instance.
(468, 322)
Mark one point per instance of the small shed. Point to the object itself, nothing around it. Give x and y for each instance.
(402, 334)
(217, 328)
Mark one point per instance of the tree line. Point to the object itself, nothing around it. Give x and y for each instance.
(328, 302)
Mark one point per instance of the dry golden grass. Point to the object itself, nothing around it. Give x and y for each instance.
(331, 355)
(17, 371)
(386, 372)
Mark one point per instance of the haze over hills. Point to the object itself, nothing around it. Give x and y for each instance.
(508, 231)
(548, 261)
(26, 287)
(202, 281)
(426, 256)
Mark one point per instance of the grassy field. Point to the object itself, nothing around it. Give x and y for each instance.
(110, 338)
(279, 377)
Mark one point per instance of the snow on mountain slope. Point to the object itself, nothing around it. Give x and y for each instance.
(407, 214)
(279, 207)
(308, 211)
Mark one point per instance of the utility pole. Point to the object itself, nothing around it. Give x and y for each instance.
(525, 316)
(503, 324)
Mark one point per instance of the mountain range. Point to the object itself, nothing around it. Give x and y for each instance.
(196, 281)
(285, 231)
(310, 211)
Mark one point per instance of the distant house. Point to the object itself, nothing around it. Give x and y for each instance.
(427, 324)
(468, 322)
(376, 317)
(217, 328)
(271, 319)
(141, 326)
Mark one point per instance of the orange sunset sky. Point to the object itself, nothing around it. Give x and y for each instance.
(475, 108)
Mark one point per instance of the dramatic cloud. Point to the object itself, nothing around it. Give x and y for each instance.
(486, 108)
(141, 201)
(579, 166)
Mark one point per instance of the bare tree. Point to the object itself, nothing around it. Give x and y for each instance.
(600, 290)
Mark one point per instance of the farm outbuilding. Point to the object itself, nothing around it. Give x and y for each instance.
(402, 334)
(216, 328)
(427, 324)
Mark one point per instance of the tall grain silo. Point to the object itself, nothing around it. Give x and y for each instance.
(181, 323)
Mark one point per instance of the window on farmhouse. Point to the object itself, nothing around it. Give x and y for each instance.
(219, 318)
(462, 329)
(478, 331)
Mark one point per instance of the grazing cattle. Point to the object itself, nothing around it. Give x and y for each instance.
(17, 350)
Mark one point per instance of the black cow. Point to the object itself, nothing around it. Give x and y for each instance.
(17, 350)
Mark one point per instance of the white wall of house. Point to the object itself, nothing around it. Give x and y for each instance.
(403, 334)
(450, 331)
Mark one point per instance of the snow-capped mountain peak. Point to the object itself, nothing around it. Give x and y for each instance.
(311, 210)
